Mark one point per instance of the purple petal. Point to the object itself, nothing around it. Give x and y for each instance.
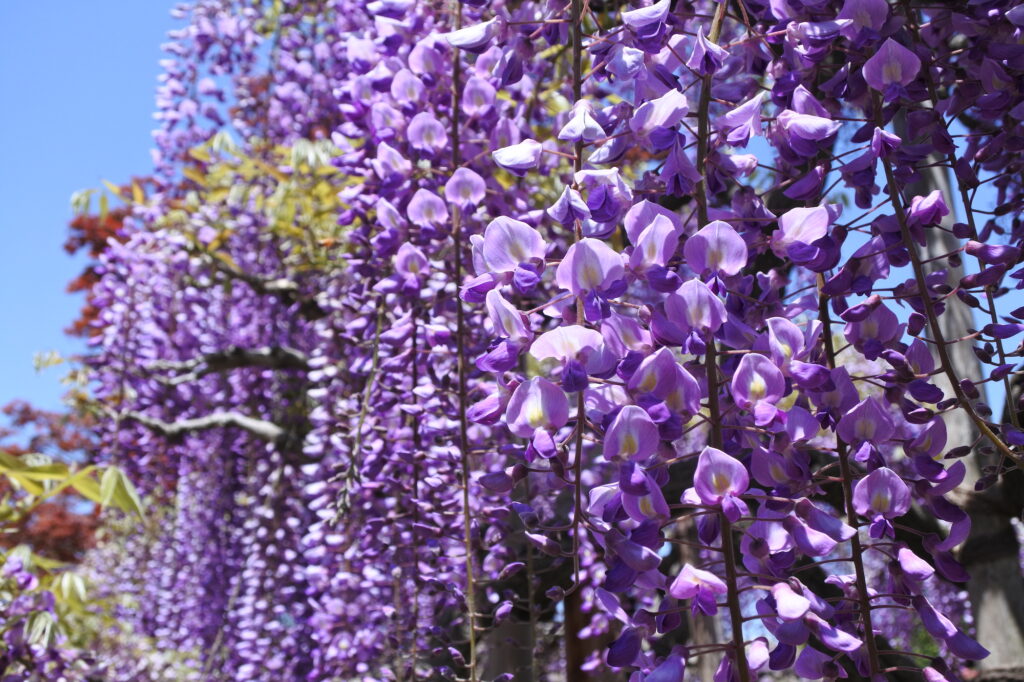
(718, 475)
(537, 403)
(632, 435)
(519, 158)
(757, 379)
(716, 247)
(892, 63)
(507, 243)
(589, 265)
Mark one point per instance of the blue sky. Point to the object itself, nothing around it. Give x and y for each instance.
(77, 81)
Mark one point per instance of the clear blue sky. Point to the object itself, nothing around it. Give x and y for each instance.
(77, 82)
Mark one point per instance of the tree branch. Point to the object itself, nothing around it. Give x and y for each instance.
(262, 429)
(231, 358)
(283, 288)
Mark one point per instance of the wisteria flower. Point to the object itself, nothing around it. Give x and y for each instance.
(657, 116)
(581, 352)
(695, 308)
(632, 435)
(475, 38)
(519, 158)
(607, 194)
(891, 69)
(589, 265)
(660, 376)
(743, 122)
(800, 226)
(507, 320)
(805, 133)
(478, 97)
(569, 207)
(581, 125)
(537, 409)
(427, 209)
(426, 134)
(880, 497)
(703, 587)
(718, 482)
(757, 385)
(645, 16)
(707, 57)
(411, 265)
(655, 246)
(716, 247)
(507, 244)
(465, 188)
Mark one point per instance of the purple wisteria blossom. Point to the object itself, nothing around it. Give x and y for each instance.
(718, 482)
(716, 247)
(880, 497)
(891, 69)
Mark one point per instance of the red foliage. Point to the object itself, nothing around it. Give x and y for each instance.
(63, 527)
(92, 233)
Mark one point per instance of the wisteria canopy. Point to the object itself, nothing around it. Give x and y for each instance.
(561, 340)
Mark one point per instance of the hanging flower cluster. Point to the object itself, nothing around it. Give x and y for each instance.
(565, 327)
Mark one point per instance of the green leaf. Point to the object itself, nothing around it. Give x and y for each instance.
(117, 490)
(40, 628)
(70, 587)
(80, 201)
(113, 189)
(86, 485)
(30, 474)
(83, 481)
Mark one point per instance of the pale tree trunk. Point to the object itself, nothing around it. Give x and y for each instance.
(507, 649)
(991, 552)
(703, 629)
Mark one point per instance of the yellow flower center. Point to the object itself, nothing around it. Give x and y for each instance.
(892, 72)
(758, 388)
